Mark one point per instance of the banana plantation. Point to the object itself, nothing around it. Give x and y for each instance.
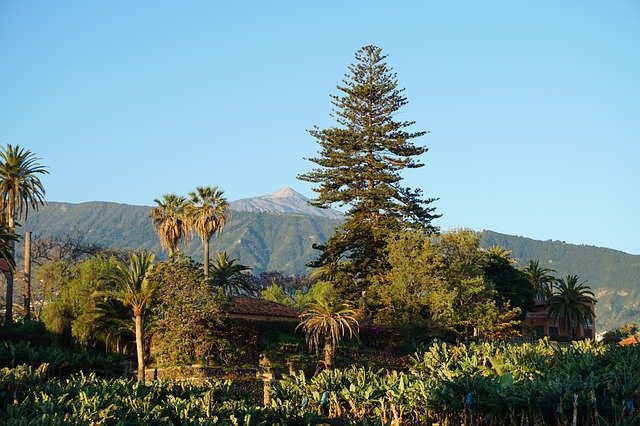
(541, 383)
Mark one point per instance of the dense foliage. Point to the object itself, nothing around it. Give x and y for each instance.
(451, 282)
(478, 383)
(69, 307)
(187, 313)
(487, 383)
(27, 397)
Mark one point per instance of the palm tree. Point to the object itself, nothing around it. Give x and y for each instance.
(541, 279)
(207, 214)
(169, 220)
(229, 275)
(501, 253)
(325, 322)
(130, 286)
(20, 188)
(108, 321)
(572, 303)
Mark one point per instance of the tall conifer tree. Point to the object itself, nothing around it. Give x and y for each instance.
(359, 167)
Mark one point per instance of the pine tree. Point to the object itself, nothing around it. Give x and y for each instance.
(360, 161)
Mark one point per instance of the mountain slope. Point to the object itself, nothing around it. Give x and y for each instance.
(263, 241)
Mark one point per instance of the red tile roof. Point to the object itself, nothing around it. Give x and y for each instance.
(245, 305)
(631, 340)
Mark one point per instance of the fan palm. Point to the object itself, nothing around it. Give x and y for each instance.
(572, 303)
(541, 279)
(130, 286)
(325, 322)
(169, 220)
(207, 214)
(20, 188)
(229, 275)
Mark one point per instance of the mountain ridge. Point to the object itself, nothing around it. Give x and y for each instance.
(285, 200)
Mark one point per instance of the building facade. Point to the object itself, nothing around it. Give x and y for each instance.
(539, 323)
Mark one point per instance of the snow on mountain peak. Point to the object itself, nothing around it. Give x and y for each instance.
(285, 200)
(287, 192)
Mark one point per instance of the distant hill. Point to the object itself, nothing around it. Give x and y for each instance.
(278, 231)
(614, 276)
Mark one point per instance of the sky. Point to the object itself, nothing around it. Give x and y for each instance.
(532, 108)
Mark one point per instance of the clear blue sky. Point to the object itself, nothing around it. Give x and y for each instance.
(533, 108)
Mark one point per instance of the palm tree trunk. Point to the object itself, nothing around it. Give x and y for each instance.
(328, 356)
(205, 249)
(139, 326)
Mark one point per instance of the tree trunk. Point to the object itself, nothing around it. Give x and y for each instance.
(328, 356)
(11, 224)
(139, 326)
(205, 249)
(27, 274)
(8, 310)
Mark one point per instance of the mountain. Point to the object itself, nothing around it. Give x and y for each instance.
(286, 200)
(278, 231)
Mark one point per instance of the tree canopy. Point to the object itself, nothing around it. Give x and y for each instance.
(449, 281)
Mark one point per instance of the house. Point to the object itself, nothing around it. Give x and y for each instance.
(4, 266)
(539, 322)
